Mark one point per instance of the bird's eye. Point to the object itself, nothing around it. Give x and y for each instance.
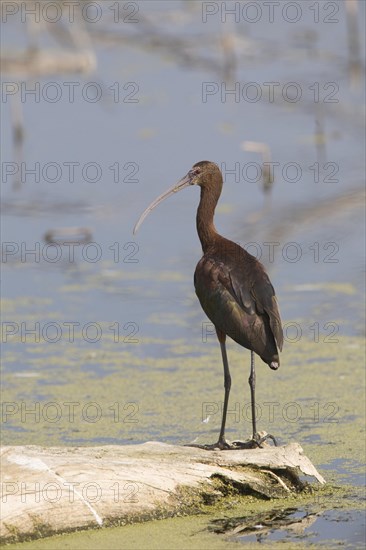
(194, 172)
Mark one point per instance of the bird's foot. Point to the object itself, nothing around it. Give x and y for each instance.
(221, 445)
(255, 442)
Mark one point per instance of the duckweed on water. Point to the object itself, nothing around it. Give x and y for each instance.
(172, 390)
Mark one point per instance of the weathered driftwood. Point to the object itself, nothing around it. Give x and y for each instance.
(43, 63)
(57, 489)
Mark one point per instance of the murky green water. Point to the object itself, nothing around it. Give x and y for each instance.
(110, 345)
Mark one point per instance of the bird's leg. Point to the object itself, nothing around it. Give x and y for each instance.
(257, 439)
(251, 381)
(222, 444)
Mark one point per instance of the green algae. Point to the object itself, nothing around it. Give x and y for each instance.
(172, 390)
(343, 288)
(177, 386)
(192, 532)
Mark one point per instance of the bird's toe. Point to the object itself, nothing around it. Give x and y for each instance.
(256, 441)
(262, 437)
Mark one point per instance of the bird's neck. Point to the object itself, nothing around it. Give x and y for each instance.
(205, 214)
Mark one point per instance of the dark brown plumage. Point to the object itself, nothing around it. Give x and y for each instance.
(233, 288)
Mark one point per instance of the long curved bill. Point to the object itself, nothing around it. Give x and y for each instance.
(184, 182)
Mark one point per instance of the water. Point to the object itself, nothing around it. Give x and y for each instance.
(119, 319)
(297, 525)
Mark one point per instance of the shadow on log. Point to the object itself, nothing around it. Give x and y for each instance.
(61, 489)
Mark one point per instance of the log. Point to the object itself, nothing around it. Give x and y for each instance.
(41, 63)
(61, 489)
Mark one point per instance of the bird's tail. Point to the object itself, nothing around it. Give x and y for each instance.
(274, 363)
